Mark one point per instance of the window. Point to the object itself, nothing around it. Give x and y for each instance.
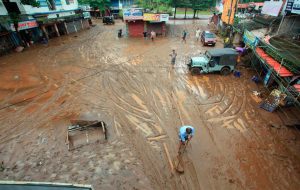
(209, 35)
(214, 61)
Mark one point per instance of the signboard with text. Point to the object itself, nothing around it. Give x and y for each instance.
(164, 17)
(156, 17)
(289, 5)
(296, 7)
(228, 11)
(151, 17)
(25, 25)
(133, 14)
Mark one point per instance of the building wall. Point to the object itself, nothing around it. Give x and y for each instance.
(3, 10)
(60, 5)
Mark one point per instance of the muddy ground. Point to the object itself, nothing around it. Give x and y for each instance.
(131, 85)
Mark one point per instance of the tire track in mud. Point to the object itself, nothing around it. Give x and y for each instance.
(154, 172)
(52, 98)
(116, 95)
(145, 122)
(122, 105)
(153, 96)
(152, 167)
(237, 112)
(220, 110)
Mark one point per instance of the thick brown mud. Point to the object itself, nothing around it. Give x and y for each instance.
(132, 86)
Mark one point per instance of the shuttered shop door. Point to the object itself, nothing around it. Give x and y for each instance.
(78, 25)
(136, 28)
(70, 26)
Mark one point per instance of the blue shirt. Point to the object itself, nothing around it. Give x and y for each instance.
(183, 134)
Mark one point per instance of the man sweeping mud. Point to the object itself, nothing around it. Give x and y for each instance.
(185, 134)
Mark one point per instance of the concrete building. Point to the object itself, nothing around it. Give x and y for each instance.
(3, 10)
(51, 18)
(117, 5)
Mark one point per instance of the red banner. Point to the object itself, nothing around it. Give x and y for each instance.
(25, 25)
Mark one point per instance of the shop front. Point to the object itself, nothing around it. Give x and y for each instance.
(28, 30)
(133, 18)
(135, 28)
(138, 22)
(156, 23)
(63, 26)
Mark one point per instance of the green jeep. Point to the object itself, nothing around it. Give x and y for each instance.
(223, 60)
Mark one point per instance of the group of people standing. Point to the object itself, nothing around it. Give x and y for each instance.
(173, 54)
(197, 34)
(152, 35)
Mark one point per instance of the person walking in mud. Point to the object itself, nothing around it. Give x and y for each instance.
(198, 34)
(145, 34)
(152, 35)
(184, 34)
(185, 135)
(173, 56)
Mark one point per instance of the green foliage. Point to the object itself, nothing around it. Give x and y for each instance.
(155, 5)
(121, 14)
(99, 4)
(194, 4)
(33, 3)
(14, 17)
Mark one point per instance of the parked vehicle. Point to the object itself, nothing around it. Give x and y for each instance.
(221, 60)
(108, 20)
(208, 38)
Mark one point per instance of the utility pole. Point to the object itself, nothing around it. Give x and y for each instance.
(281, 23)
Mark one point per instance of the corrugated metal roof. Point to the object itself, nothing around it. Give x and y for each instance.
(281, 70)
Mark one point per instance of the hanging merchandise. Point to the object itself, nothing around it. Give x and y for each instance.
(250, 39)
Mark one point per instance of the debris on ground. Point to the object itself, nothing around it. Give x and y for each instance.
(84, 132)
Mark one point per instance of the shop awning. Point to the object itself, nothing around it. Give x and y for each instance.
(281, 70)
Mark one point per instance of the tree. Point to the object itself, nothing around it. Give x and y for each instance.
(194, 4)
(155, 5)
(98, 4)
